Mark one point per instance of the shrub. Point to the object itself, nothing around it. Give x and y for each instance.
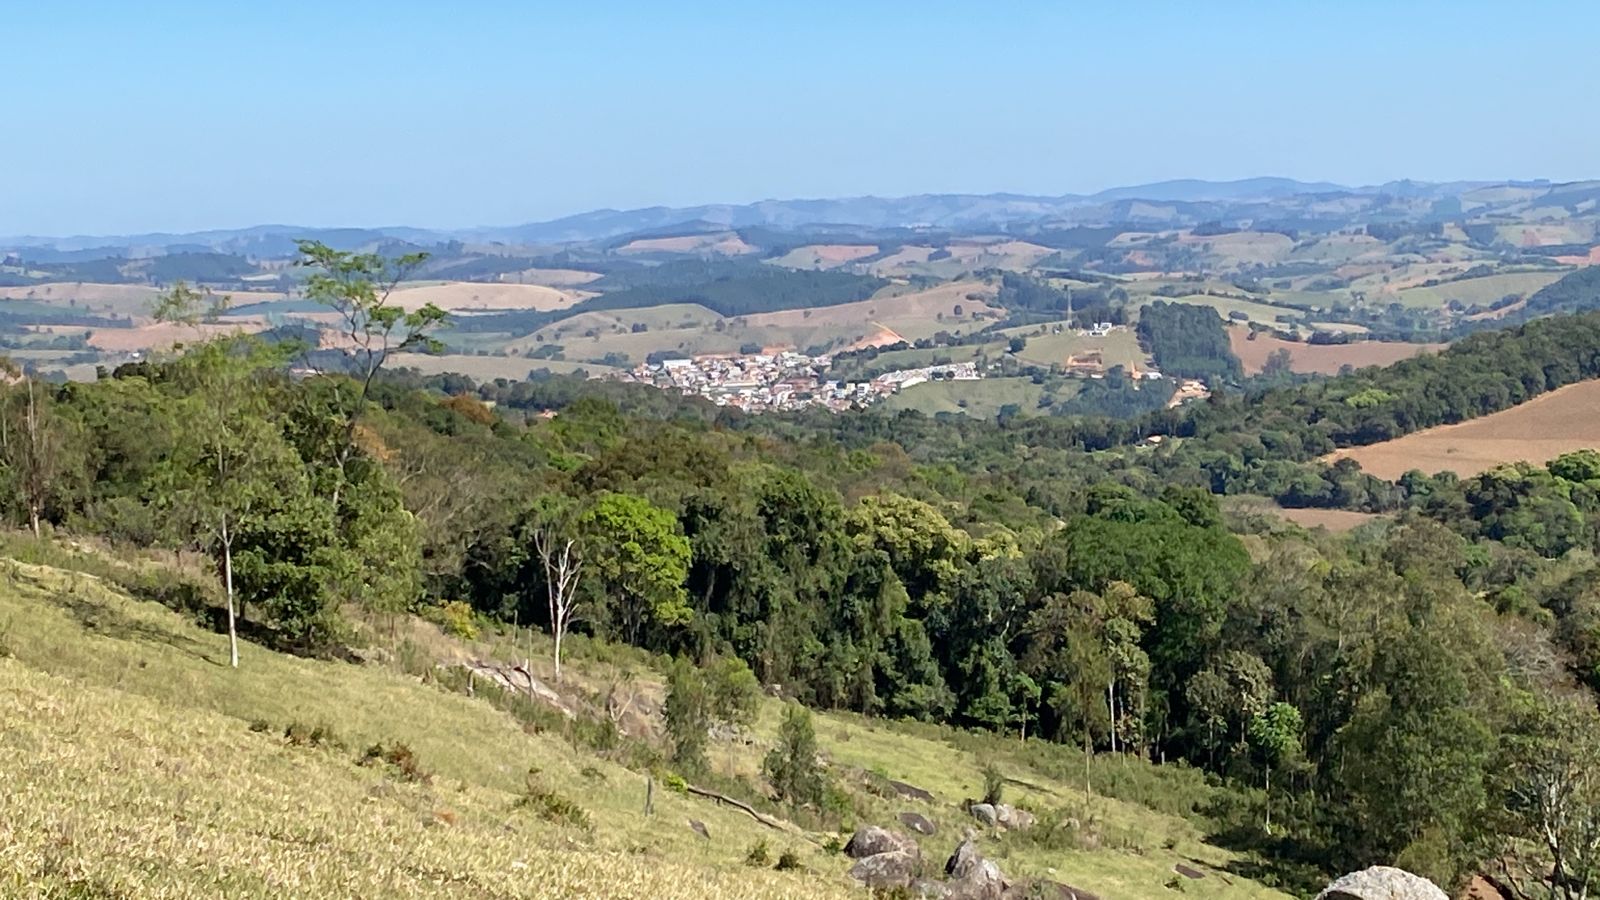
(675, 783)
(300, 734)
(788, 861)
(260, 726)
(454, 618)
(994, 784)
(757, 854)
(551, 806)
(399, 757)
(732, 692)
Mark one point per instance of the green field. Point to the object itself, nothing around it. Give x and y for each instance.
(1119, 348)
(136, 763)
(981, 399)
(1478, 291)
(850, 369)
(1257, 312)
(485, 368)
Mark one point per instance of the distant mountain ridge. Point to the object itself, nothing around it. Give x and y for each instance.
(1177, 201)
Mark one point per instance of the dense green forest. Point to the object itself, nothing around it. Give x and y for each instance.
(1187, 341)
(1388, 695)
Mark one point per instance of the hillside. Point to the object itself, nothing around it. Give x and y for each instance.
(212, 796)
(1562, 421)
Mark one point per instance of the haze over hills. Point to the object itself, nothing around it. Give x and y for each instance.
(1194, 200)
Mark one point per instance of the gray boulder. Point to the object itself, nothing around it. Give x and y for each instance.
(870, 840)
(893, 869)
(971, 877)
(918, 823)
(1382, 883)
(985, 813)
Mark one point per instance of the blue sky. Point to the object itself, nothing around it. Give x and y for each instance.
(126, 117)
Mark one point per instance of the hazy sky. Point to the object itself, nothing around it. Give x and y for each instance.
(123, 117)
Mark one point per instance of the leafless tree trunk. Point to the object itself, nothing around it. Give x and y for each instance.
(561, 567)
(227, 581)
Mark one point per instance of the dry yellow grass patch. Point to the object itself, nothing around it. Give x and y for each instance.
(471, 295)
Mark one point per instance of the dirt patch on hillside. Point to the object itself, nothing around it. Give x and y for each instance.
(884, 337)
(1326, 359)
(1537, 431)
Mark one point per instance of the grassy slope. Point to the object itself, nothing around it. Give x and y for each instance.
(131, 767)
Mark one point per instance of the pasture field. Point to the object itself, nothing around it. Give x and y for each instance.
(1264, 313)
(911, 359)
(1336, 521)
(1478, 291)
(464, 295)
(134, 300)
(1538, 431)
(1242, 248)
(981, 399)
(556, 278)
(1326, 359)
(486, 368)
(823, 256)
(726, 243)
(1118, 348)
(132, 769)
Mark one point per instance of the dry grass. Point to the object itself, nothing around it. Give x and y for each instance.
(824, 256)
(162, 336)
(463, 295)
(130, 769)
(723, 243)
(1326, 359)
(1538, 431)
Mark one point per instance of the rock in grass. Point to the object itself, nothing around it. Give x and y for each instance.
(893, 869)
(985, 813)
(918, 823)
(699, 827)
(870, 840)
(1382, 883)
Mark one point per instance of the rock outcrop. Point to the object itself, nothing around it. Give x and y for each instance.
(893, 869)
(971, 877)
(1382, 883)
(870, 840)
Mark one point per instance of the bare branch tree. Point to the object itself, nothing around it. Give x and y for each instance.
(562, 565)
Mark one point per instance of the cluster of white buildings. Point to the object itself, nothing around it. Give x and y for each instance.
(783, 381)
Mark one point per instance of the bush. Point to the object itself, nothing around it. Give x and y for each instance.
(454, 618)
(732, 691)
(300, 734)
(757, 856)
(399, 757)
(551, 806)
(788, 861)
(994, 784)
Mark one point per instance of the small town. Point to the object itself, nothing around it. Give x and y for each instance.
(784, 381)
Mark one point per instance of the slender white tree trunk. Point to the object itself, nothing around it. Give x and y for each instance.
(227, 580)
